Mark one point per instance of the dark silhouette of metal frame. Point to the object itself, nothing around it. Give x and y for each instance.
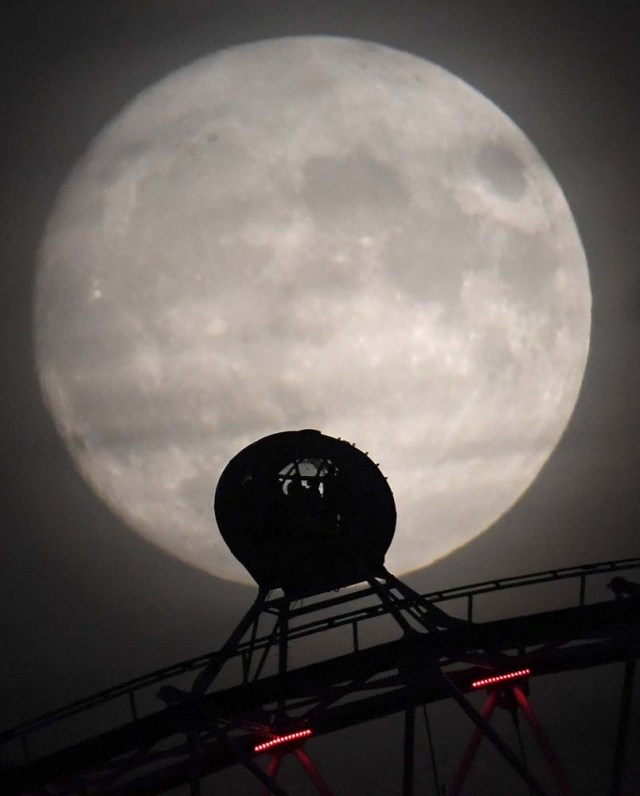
(437, 656)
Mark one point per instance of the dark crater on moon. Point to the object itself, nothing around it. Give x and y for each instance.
(357, 189)
(420, 254)
(502, 169)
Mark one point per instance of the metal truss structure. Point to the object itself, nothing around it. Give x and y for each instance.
(274, 707)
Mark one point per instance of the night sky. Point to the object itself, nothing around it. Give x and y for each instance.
(87, 603)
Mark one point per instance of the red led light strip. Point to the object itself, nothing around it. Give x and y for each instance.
(500, 678)
(292, 736)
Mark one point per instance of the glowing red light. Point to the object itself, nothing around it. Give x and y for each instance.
(280, 739)
(500, 678)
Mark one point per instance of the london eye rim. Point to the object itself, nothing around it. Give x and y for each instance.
(578, 572)
(594, 620)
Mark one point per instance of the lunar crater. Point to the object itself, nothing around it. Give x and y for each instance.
(356, 192)
(503, 170)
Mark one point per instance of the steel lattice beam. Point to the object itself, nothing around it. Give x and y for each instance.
(600, 633)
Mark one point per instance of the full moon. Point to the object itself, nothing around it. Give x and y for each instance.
(311, 232)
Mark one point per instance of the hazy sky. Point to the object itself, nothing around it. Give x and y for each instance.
(85, 602)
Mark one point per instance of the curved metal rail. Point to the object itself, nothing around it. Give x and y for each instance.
(602, 630)
(469, 593)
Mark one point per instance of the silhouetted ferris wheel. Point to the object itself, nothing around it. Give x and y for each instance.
(311, 518)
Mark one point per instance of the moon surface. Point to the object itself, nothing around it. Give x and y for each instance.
(311, 232)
